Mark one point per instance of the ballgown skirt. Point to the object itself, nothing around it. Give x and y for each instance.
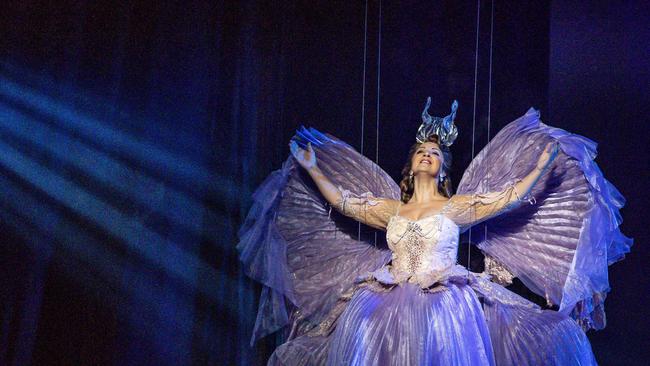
(406, 326)
(448, 325)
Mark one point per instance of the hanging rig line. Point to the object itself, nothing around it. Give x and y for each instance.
(363, 92)
(478, 25)
(489, 110)
(378, 99)
(378, 85)
(363, 95)
(489, 113)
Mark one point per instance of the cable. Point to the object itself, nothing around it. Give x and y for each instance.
(489, 103)
(478, 24)
(378, 97)
(363, 93)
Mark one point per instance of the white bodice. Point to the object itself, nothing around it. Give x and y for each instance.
(422, 250)
(427, 244)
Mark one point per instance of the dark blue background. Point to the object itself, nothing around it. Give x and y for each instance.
(133, 134)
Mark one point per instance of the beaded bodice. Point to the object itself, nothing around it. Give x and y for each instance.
(421, 249)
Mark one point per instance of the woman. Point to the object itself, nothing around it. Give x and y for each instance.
(349, 306)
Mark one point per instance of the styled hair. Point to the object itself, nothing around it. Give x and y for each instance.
(444, 185)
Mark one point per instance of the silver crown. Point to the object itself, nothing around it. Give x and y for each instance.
(443, 127)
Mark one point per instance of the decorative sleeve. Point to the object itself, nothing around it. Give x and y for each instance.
(366, 208)
(467, 210)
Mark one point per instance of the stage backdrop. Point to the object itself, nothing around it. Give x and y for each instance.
(133, 134)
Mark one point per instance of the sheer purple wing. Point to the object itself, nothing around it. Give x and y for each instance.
(561, 245)
(306, 255)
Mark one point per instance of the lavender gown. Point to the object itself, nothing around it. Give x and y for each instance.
(343, 301)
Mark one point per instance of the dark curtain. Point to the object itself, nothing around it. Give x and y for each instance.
(133, 134)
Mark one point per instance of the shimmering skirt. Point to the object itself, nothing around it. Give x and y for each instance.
(406, 326)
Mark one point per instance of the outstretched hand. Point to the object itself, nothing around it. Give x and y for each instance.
(548, 155)
(306, 158)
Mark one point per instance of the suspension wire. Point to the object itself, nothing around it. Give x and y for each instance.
(378, 93)
(378, 84)
(478, 24)
(489, 103)
(363, 93)
(490, 75)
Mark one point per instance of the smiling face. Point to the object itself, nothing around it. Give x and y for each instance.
(427, 159)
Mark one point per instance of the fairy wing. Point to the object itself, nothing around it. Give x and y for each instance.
(561, 245)
(306, 255)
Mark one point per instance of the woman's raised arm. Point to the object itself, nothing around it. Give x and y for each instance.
(307, 160)
(470, 209)
(367, 209)
(523, 187)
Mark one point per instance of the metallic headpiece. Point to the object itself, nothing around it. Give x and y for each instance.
(443, 127)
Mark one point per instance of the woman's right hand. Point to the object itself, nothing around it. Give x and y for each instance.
(306, 158)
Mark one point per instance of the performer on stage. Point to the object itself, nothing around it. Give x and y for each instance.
(551, 218)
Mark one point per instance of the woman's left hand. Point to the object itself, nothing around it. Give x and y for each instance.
(548, 155)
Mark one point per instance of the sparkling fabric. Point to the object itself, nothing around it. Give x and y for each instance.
(342, 300)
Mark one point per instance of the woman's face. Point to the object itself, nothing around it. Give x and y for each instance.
(427, 159)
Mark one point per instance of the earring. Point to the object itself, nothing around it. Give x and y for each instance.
(410, 177)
